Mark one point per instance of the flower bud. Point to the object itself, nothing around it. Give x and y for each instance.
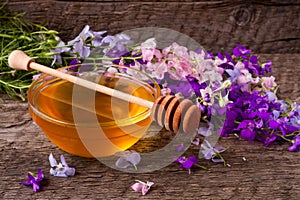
(226, 84)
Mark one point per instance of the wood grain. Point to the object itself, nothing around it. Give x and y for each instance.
(271, 26)
(256, 172)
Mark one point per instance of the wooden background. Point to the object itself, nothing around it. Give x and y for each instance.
(271, 28)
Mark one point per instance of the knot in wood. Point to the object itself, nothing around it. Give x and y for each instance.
(242, 15)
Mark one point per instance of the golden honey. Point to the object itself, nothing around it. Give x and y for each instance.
(96, 129)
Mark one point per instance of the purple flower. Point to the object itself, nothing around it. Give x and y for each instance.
(233, 73)
(267, 67)
(247, 128)
(82, 50)
(97, 41)
(253, 59)
(195, 85)
(60, 48)
(269, 138)
(240, 51)
(117, 45)
(205, 110)
(142, 187)
(220, 56)
(296, 144)
(60, 169)
(233, 114)
(34, 180)
(74, 61)
(181, 87)
(187, 163)
(192, 160)
(180, 148)
(273, 124)
(127, 158)
(79, 45)
(205, 132)
(210, 153)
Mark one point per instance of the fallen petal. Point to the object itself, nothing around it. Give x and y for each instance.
(63, 161)
(70, 171)
(145, 189)
(137, 187)
(52, 160)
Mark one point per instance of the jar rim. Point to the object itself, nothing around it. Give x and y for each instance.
(46, 79)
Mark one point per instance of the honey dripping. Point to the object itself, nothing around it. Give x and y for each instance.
(124, 123)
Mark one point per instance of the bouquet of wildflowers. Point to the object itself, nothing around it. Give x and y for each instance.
(236, 86)
(237, 82)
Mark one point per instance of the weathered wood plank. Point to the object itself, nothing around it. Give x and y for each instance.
(266, 170)
(265, 26)
(286, 70)
(267, 173)
(277, 2)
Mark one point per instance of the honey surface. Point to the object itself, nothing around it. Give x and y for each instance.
(122, 122)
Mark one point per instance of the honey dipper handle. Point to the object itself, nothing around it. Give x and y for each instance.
(20, 61)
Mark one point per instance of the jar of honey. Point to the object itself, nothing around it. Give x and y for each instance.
(87, 123)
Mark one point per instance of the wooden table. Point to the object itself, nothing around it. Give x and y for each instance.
(267, 173)
(268, 26)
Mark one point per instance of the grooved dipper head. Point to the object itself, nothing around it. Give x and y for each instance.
(176, 114)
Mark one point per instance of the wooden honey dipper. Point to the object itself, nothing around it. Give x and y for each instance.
(175, 114)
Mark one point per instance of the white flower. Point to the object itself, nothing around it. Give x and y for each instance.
(61, 169)
(210, 152)
(212, 76)
(207, 91)
(223, 101)
(218, 61)
(226, 84)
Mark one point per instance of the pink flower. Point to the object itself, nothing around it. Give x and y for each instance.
(148, 49)
(239, 65)
(245, 78)
(158, 54)
(142, 187)
(157, 70)
(175, 71)
(220, 70)
(171, 64)
(268, 82)
(186, 68)
(177, 51)
(147, 54)
(36, 77)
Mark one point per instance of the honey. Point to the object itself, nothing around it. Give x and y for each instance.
(96, 129)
